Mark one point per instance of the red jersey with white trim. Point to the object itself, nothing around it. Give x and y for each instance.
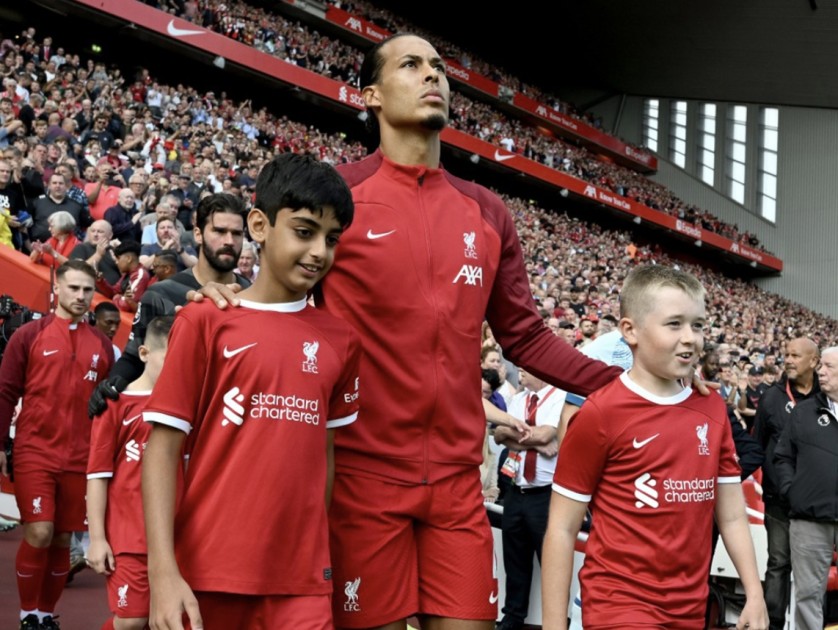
(54, 365)
(649, 467)
(117, 445)
(427, 258)
(256, 388)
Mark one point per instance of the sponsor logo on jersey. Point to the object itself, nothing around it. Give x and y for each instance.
(641, 443)
(350, 589)
(701, 433)
(122, 594)
(376, 235)
(471, 274)
(229, 354)
(468, 239)
(132, 451)
(694, 490)
(644, 491)
(36, 505)
(233, 410)
(310, 349)
(350, 398)
(48, 353)
(92, 375)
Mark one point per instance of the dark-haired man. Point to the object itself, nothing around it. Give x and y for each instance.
(53, 363)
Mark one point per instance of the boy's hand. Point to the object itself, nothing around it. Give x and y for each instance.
(100, 557)
(221, 294)
(169, 600)
(754, 615)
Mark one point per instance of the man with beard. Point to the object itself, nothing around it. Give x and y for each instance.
(219, 232)
(773, 412)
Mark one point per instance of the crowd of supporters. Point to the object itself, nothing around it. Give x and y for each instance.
(295, 43)
(134, 143)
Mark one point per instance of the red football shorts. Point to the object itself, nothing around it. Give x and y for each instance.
(222, 611)
(53, 497)
(128, 595)
(400, 550)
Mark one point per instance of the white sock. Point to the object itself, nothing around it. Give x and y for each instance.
(26, 613)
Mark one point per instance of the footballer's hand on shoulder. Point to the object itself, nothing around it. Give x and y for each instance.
(107, 389)
(221, 294)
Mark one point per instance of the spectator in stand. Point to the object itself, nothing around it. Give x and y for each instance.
(124, 217)
(75, 186)
(587, 329)
(248, 262)
(775, 408)
(96, 250)
(128, 292)
(11, 203)
(99, 132)
(53, 363)
(103, 193)
(53, 201)
(165, 209)
(62, 241)
(168, 240)
(749, 398)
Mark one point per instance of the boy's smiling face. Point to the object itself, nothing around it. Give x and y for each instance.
(666, 339)
(298, 249)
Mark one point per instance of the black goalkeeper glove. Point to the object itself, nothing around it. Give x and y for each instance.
(108, 388)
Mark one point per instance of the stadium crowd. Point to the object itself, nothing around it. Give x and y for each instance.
(109, 169)
(296, 43)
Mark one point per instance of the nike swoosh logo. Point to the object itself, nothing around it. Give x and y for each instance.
(372, 235)
(174, 31)
(49, 352)
(24, 575)
(125, 423)
(493, 598)
(500, 157)
(229, 354)
(641, 444)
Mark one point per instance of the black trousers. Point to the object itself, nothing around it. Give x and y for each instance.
(524, 524)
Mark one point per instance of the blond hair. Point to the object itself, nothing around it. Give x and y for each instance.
(642, 281)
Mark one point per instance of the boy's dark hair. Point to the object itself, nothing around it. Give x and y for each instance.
(218, 203)
(128, 247)
(167, 256)
(295, 181)
(74, 264)
(491, 376)
(157, 333)
(105, 307)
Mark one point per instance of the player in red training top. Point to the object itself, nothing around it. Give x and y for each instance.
(654, 459)
(53, 363)
(257, 390)
(114, 499)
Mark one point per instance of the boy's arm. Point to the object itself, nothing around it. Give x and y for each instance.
(568, 411)
(99, 555)
(565, 520)
(330, 465)
(496, 416)
(733, 526)
(170, 594)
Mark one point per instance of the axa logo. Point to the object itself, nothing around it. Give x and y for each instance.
(644, 491)
(354, 24)
(122, 594)
(472, 274)
(734, 248)
(133, 450)
(701, 433)
(343, 94)
(36, 505)
(350, 589)
(310, 349)
(468, 239)
(92, 375)
(541, 110)
(590, 191)
(233, 409)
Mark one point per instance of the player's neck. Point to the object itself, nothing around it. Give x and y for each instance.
(411, 147)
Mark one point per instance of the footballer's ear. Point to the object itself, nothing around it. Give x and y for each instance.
(257, 225)
(628, 329)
